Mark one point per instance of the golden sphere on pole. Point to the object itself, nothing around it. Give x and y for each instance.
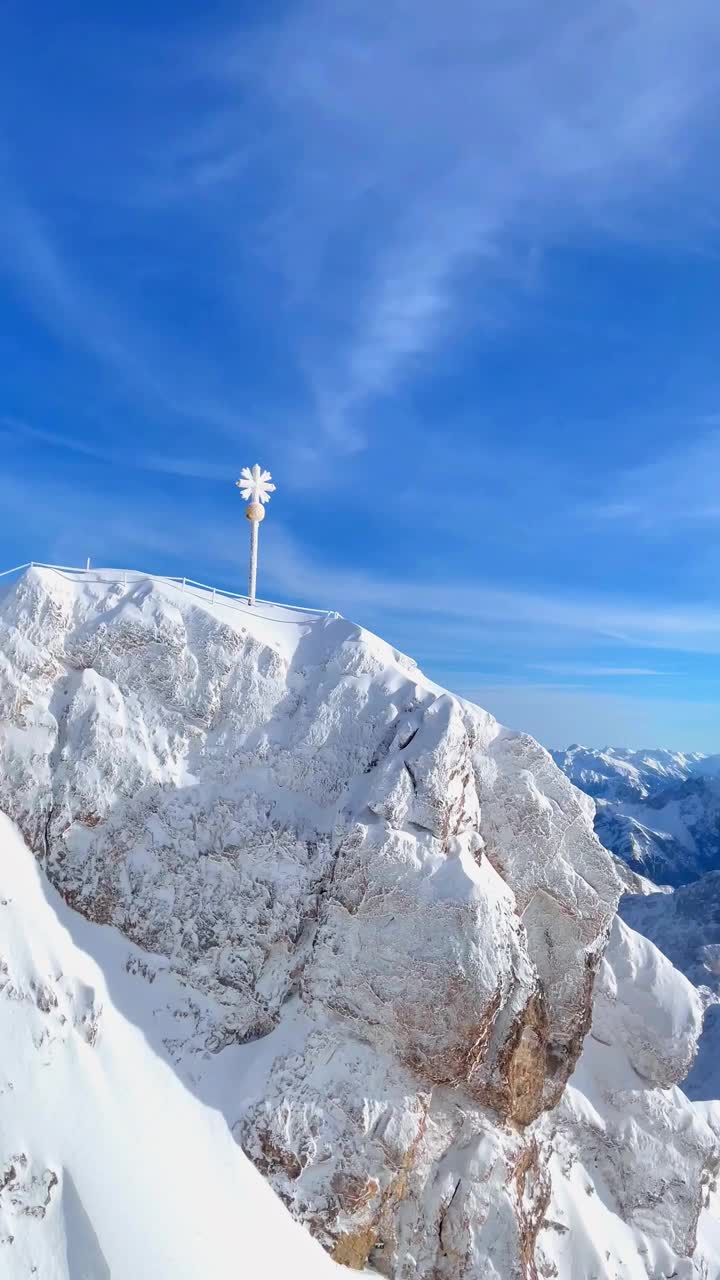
(255, 486)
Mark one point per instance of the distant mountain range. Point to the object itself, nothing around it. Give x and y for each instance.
(657, 810)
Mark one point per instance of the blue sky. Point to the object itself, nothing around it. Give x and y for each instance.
(450, 271)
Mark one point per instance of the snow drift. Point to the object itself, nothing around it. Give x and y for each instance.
(373, 922)
(110, 1167)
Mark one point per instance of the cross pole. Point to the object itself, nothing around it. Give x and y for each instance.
(256, 487)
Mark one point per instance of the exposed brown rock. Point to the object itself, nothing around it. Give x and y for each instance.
(354, 1248)
(527, 1063)
(533, 1189)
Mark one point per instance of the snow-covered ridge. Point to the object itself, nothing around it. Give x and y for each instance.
(622, 773)
(200, 590)
(387, 914)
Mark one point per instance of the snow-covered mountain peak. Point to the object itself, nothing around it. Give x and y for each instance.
(385, 913)
(658, 810)
(622, 773)
(48, 600)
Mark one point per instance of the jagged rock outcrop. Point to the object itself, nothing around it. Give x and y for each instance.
(390, 909)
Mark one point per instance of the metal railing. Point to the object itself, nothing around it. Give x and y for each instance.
(210, 594)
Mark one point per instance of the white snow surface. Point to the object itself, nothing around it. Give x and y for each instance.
(339, 920)
(685, 924)
(111, 1168)
(626, 1157)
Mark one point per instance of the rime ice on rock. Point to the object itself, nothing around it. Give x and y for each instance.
(393, 909)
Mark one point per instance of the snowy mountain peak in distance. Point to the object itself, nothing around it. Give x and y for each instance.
(658, 810)
(368, 934)
(621, 772)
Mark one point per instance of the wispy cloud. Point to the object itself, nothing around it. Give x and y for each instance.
(60, 299)
(82, 317)
(128, 528)
(14, 431)
(591, 672)
(687, 627)
(431, 140)
(192, 468)
(678, 489)
(393, 168)
(444, 620)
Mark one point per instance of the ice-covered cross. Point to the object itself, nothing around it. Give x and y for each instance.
(256, 487)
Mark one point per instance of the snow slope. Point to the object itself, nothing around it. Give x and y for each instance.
(364, 926)
(685, 925)
(110, 1167)
(626, 1156)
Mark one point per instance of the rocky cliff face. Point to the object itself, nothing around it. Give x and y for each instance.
(389, 915)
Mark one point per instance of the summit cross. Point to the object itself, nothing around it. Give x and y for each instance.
(255, 486)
